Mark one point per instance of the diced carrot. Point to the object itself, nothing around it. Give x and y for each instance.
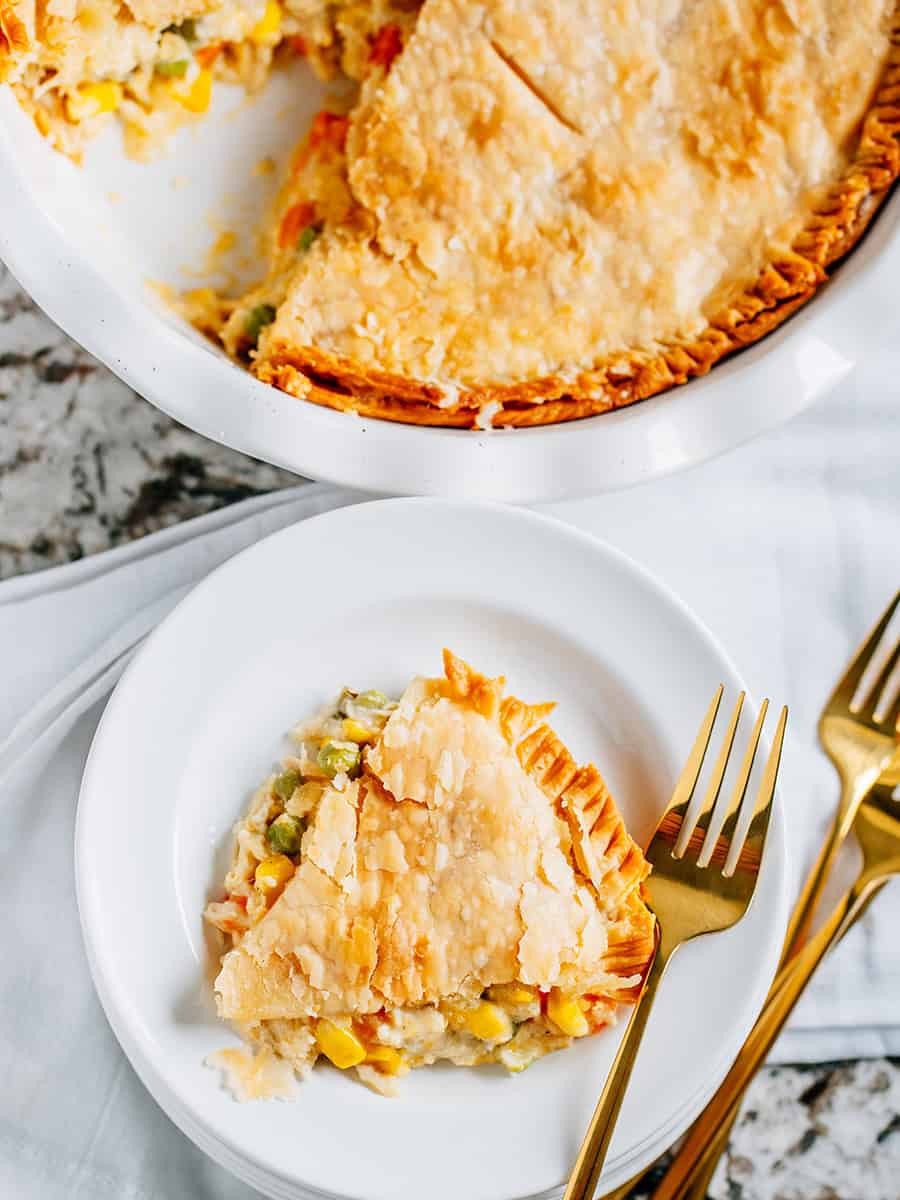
(297, 217)
(328, 131)
(386, 45)
(298, 45)
(207, 55)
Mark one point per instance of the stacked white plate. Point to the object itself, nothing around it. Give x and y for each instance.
(368, 596)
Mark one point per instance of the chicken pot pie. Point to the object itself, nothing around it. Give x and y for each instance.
(532, 210)
(558, 207)
(434, 879)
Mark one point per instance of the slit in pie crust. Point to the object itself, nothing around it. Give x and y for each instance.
(443, 881)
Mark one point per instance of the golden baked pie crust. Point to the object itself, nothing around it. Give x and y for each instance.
(785, 283)
(351, 933)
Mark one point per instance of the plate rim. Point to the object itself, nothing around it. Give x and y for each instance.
(773, 380)
(193, 1124)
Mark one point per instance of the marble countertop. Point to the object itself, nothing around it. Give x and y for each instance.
(85, 464)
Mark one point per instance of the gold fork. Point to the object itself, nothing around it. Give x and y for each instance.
(705, 867)
(861, 748)
(877, 829)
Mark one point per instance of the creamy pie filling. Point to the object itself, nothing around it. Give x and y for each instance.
(76, 63)
(423, 880)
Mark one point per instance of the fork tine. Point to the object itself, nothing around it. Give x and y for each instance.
(669, 827)
(719, 850)
(867, 710)
(891, 719)
(693, 834)
(746, 849)
(846, 688)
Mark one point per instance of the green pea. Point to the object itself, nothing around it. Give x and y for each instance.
(372, 699)
(172, 70)
(308, 236)
(286, 783)
(335, 757)
(257, 319)
(285, 834)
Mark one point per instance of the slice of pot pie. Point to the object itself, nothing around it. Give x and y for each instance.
(559, 206)
(432, 879)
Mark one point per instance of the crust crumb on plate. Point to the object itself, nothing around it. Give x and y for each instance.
(249, 1075)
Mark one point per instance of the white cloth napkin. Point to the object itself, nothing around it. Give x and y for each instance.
(787, 548)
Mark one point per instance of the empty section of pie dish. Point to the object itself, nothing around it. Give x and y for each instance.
(104, 247)
(199, 718)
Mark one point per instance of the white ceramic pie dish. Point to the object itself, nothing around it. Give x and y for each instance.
(85, 241)
(200, 716)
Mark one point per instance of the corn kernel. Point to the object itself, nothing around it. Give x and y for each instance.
(269, 23)
(354, 731)
(387, 1060)
(341, 1046)
(566, 1014)
(273, 873)
(202, 296)
(197, 95)
(91, 99)
(511, 994)
(488, 1022)
(517, 1058)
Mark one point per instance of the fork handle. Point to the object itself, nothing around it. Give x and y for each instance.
(583, 1180)
(698, 1183)
(784, 995)
(853, 788)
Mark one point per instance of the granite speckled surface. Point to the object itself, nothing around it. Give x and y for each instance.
(85, 464)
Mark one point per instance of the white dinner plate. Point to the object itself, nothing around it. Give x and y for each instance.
(368, 595)
(86, 241)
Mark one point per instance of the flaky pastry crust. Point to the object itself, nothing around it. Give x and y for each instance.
(830, 221)
(472, 851)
